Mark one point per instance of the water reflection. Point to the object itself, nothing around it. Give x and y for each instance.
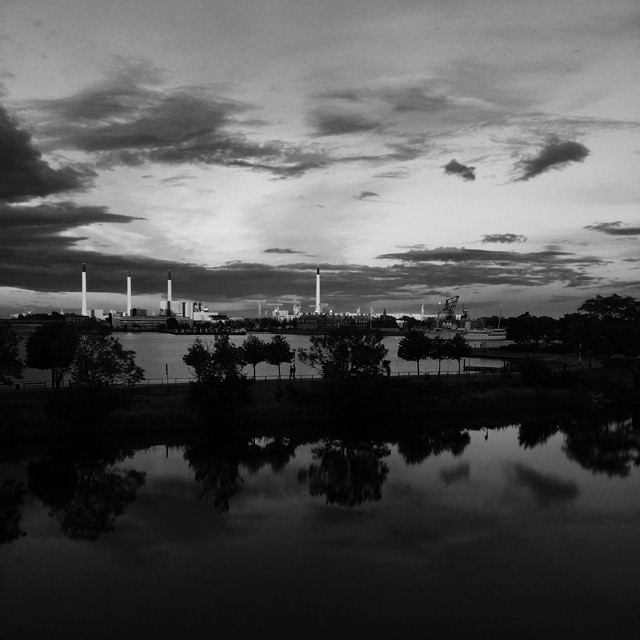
(347, 473)
(609, 446)
(217, 464)
(417, 448)
(85, 494)
(12, 495)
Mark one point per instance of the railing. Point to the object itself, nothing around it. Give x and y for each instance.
(28, 385)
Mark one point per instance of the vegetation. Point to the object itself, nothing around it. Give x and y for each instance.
(346, 353)
(415, 346)
(10, 364)
(101, 361)
(278, 351)
(254, 351)
(52, 346)
(220, 387)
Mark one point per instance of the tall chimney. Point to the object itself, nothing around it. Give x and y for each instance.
(318, 306)
(129, 292)
(84, 290)
(169, 294)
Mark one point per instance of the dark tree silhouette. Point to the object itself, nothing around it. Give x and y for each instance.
(536, 432)
(101, 361)
(458, 348)
(438, 351)
(346, 353)
(416, 449)
(85, 496)
(603, 446)
(415, 346)
(52, 346)
(220, 386)
(348, 473)
(278, 351)
(216, 468)
(254, 351)
(11, 499)
(10, 364)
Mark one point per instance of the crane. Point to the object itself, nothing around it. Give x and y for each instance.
(260, 303)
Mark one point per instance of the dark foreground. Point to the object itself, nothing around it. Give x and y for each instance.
(524, 531)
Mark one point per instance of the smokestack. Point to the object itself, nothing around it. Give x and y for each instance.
(129, 292)
(318, 306)
(169, 294)
(84, 290)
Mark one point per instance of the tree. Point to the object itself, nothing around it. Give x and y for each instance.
(220, 386)
(52, 346)
(10, 364)
(415, 346)
(438, 351)
(611, 308)
(218, 362)
(254, 351)
(346, 353)
(101, 361)
(278, 351)
(458, 349)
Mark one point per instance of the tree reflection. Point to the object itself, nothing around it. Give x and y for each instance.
(217, 464)
(11, 499)
(418, 448)
(536, 432)
(85, 494)
(348, 473)
(604, 446)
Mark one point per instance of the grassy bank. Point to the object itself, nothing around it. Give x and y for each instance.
(296, 407)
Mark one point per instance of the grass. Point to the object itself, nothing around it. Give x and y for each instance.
(295, 407)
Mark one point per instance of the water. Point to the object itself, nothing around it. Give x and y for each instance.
(527, 531)
(158, 353)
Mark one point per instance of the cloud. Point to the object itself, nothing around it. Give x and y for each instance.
(283, 251)
(457, 473)
(332, 122)
(503, 238)
(555, 154)
(614, 228)
(447, 266)
(23, 172)
(455, 168)
(366, 195)
(546, 489)
(127, 120)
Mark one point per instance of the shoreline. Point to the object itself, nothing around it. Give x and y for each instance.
(300, 406)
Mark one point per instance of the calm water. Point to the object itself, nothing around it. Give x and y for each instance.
(528, 531)
(154, 351)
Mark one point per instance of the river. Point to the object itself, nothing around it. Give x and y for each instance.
(526, 531)
(160, 354)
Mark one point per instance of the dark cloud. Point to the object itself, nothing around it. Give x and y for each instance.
(332, 122)
(546, 489)
(23, 172)
(126, 120)
(448, 266)
(366, 195)
(418, 95)
(455, 168)
(457, 473)
(554, 155)
(614, 228)
(503, 238)
(277, 250)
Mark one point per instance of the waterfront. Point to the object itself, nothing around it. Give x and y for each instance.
(526, 531)
(160, 355)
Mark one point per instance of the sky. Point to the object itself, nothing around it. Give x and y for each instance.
(412, 150)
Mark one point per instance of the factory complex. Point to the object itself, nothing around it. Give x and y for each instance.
(182, 316)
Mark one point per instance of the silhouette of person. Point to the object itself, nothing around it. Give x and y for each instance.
(292, 372)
